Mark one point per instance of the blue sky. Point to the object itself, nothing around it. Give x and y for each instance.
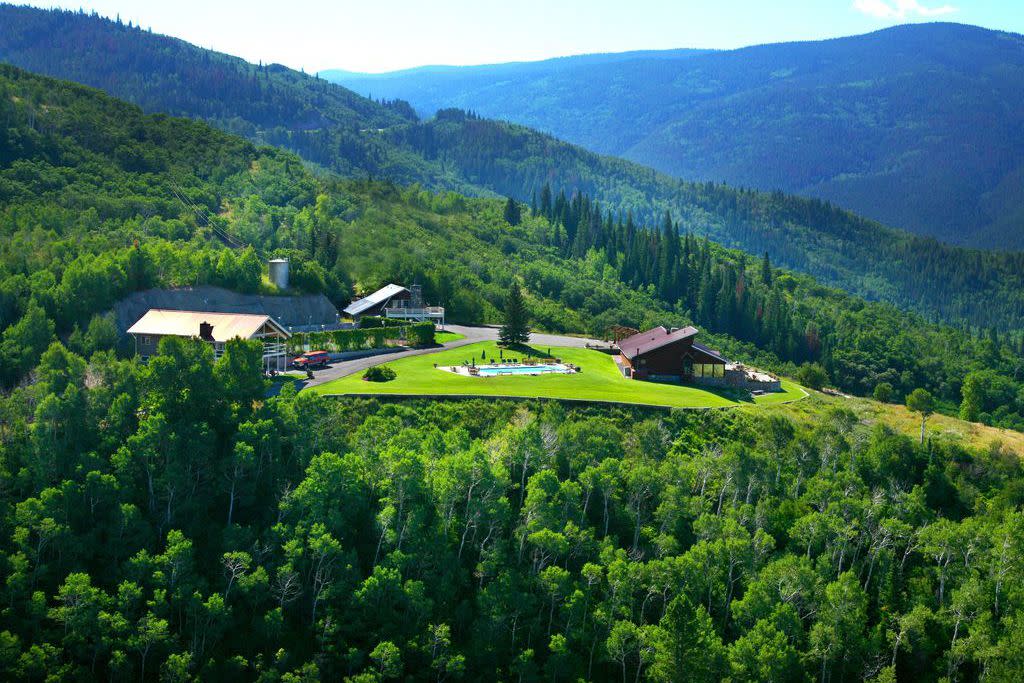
(383, 35)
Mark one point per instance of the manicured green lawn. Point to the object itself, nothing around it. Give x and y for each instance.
(600, 380)
(445, 337)
(790, 392)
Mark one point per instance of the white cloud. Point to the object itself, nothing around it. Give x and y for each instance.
(900, 9)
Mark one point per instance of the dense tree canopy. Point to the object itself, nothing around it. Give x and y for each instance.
(165, 520)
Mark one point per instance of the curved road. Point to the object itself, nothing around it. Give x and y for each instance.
(472, 335)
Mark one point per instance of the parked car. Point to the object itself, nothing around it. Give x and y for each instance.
(310, 360)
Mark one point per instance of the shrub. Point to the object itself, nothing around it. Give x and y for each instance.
(422, 334)
(883, 392)
(812, 375)
(379, 373)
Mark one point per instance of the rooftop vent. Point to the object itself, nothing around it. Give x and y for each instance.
(206, 331)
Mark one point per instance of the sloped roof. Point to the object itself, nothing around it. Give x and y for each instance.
(162, 322)
(305, 310)
(652, 339)
(709, 351)
(378, 297)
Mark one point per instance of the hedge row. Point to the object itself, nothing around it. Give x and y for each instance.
(419, 334)
(371, 321)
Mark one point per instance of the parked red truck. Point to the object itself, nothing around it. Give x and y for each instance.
(310, 360)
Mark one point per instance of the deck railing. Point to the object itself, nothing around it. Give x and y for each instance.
(425, 311)
(274, 349)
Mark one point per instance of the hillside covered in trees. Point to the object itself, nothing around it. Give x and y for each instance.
(166, 521)
(100, 200)
(915, 126)
(336, 129)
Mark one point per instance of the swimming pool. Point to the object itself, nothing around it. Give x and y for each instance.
(496, 370)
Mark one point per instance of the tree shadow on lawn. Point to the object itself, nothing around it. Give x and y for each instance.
(523, 350)
(728, 393)
(519, 351)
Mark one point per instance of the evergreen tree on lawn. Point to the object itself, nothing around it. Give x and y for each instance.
(516, 328)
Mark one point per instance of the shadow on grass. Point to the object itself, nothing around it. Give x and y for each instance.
(524, 350)
(728, 393)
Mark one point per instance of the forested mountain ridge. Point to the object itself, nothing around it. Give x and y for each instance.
(267, 103)
(511, 68)
(916, 126)
(461, 152)
(481, 157)
(943, 282)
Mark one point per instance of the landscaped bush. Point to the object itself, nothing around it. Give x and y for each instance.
(421, 334)
(812, 375)
(379, 373)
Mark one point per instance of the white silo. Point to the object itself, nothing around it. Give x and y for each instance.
(279, 272)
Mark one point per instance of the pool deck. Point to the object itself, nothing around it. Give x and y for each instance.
(508, 370)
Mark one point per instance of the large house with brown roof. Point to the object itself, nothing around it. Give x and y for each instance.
(668, 355)
(215, 329)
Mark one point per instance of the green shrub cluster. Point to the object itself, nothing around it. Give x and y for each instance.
(358, 339)
(379, 373)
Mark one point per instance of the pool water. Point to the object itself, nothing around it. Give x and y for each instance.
(493, 370)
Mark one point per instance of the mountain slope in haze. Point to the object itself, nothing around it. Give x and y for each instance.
(920, 126)
(460, 152)
(482, 75)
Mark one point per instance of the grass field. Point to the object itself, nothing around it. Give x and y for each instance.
(939, 427)
(600, 380)
(445, 337)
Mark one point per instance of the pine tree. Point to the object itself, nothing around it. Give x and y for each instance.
(516, 328)
(766, 270)
(512, 213)
(545, 202)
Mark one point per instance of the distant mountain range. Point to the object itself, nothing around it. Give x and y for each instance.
(332, 127)
(920, 127)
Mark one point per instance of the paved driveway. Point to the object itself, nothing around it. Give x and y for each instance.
(472, 336)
